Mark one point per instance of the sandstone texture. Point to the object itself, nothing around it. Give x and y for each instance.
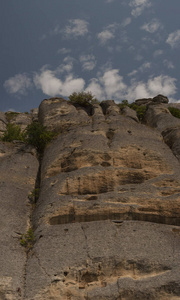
(107, 219)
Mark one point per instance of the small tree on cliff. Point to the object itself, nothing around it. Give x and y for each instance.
(82, 98)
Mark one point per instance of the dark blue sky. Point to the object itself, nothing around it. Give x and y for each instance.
(116, 49)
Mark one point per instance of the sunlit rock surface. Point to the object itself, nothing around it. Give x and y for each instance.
(107, 219)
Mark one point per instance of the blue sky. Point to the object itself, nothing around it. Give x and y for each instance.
(117, 49)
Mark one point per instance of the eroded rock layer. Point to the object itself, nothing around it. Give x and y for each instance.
(107, 219)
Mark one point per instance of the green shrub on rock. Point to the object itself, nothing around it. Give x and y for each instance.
(140, 109)
(38, 136)
(82, 98)
(13, 132)
(174, 111)
(27, 239)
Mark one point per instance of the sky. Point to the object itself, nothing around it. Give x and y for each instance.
(116, 49)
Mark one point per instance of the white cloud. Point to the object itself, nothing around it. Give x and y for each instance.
(63, 51)
(113, 83)
(107, 34)
(126, 22)
(76, 28)
(145, 66)
(96, 89)
(51, 85)
(138, 6)
(88, 62)
(152, 26)
(134, 72)
(174, 39)
(67, 65)
(157, 52)
(162, 84)
(167, 63)
(18, 84)
(110, 85)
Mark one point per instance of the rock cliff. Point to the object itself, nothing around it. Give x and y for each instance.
(106, 221)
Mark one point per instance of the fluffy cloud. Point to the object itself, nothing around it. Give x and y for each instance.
(88, 62)
(107, 34)
(156, 85)
(126, 22)
(152, 26)
(96, 89)
(51, 85)
(157, 52)
(138, 6)
(18, 84)
(76, 28)
(110, 85)
(174, 39)
(66, 66)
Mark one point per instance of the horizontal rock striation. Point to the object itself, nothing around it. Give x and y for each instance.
(107, 220)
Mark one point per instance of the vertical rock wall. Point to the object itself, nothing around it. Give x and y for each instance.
(106, 223)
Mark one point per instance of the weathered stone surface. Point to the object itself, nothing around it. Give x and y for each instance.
(100, 184)
(3, 123)
(130, 113)
(58, 114)
(34, 114)
(160, 99)
(107, 221)
(158, 116)
(156, 100)
(144, 101)
(18, 171)
(20, 119)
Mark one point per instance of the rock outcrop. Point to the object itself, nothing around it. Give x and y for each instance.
(106, 223)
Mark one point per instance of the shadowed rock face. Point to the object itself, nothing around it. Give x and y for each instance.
(108, 214)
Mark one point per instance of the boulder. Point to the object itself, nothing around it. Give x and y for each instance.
(58, 114)
(160, 99)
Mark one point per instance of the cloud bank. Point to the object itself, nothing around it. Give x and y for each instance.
(108, 84)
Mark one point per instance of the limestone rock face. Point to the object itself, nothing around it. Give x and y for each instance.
(107, 221)
(3, 123)
(20, 119)
(18, 171)
(158, 116)
(57, 114)
(156, 100)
